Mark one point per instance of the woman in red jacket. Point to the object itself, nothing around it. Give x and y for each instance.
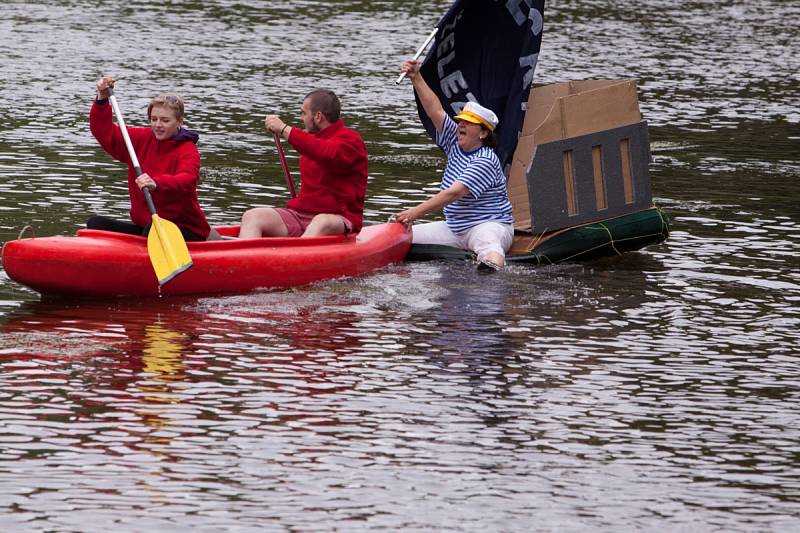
(169, 160)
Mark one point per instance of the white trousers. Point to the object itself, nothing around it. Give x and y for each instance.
(481, 239)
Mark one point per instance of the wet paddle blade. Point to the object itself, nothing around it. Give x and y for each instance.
(167, 249)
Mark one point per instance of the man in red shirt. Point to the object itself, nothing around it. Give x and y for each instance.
(333, 176)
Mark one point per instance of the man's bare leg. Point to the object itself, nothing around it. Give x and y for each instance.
(325, 225)
(262, 222)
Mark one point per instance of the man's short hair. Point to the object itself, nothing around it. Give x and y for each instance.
(326, 102)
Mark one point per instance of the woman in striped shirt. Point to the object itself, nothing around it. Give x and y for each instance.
(473, 191)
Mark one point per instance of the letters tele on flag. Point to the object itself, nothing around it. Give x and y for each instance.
(486, 51)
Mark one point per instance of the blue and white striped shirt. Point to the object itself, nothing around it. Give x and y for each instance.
(480, 172)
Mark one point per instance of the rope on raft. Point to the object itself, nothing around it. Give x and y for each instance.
(22, 232)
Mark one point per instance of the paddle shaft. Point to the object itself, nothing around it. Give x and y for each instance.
(419, 52)
(285, 165)
(131, 152)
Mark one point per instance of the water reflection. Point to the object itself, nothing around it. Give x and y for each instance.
(159, 363)
(162, 360)
(162, 353)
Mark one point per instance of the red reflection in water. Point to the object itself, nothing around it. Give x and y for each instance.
(139, 362)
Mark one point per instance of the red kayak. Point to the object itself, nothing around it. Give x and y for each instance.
(102, 263)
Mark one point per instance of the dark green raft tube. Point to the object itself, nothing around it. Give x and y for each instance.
(606, 238)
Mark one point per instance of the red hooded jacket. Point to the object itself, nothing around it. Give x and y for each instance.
(174, 164)
(333, 172)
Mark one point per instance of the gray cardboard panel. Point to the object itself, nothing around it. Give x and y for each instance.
(546, 183)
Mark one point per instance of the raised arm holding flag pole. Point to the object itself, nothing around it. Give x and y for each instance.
(486, 52)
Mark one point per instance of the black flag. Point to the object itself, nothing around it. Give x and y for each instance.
(486, 51)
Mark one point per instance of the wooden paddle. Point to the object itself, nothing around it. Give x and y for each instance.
(285, 165)
(165, 243)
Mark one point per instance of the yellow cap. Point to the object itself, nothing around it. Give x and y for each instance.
(477, 114)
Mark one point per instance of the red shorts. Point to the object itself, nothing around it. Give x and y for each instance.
(297, 221)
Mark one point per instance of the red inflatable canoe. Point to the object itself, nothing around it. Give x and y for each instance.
(101, 263)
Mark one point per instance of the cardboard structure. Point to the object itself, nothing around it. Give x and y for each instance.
(582, 156)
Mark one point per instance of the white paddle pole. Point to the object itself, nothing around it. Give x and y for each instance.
(131, 152)
(421, 49)
(124, 129)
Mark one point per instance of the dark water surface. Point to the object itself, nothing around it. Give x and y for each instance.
(656, 391)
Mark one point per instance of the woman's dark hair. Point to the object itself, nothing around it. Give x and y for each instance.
(491, 139)
(326, 102)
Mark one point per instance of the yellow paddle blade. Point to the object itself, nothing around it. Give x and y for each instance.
(167, 250)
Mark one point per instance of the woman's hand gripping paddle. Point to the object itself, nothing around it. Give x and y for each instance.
(165, 243)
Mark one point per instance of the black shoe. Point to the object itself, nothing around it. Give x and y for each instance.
(487, 267)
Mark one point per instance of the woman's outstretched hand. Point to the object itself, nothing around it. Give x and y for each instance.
(408, 216)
